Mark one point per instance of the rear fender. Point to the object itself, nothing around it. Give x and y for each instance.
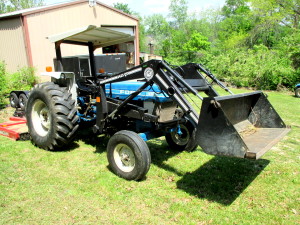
(64, 79)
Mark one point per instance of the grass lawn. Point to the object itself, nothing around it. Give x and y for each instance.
(75, 186)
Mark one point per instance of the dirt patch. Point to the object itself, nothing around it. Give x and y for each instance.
(6, 113)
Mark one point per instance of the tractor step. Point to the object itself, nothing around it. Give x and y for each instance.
(16, 129)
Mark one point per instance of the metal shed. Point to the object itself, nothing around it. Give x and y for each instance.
(23, 33)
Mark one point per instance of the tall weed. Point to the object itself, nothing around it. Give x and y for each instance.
(258, 67)
(23, 79)
(2, 84)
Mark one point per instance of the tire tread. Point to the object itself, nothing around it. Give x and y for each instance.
(65, 119)
(142, 154)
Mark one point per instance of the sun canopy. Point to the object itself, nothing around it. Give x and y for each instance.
(99, 36)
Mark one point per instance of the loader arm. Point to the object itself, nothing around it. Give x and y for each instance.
(194, 71)
(244, 125)
(153, 71)
(211, 76)
(154, 105)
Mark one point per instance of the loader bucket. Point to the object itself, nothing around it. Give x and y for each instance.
(243, 125)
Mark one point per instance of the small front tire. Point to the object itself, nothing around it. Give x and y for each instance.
(183, 141)
(128, 155)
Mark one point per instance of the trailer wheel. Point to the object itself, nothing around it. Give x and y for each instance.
(128, 155)
(184, 141)
(23, 101)
(297, 92)
(51, 116)
(14, 100)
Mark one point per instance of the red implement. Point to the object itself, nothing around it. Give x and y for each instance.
(15, 128)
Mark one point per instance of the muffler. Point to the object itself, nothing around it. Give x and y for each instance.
(242, 125)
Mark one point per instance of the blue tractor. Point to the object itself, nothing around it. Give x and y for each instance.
(144, 102)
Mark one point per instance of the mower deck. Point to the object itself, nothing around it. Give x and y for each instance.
(15, 129)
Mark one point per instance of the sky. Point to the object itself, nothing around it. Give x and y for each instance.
(148, 7)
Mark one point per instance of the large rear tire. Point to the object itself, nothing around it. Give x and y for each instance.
(51, 116)
(184, 141)
(128, 155)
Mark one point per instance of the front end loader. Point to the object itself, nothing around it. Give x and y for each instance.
(145, 102)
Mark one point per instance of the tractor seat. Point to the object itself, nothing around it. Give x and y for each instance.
(198, 84)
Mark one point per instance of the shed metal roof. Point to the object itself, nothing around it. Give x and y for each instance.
(99, 36)
(20, 12)
(29, 11)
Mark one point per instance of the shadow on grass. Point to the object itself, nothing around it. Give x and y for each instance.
(160, 152)
(68, 148)
(87, 136)
(222, 179)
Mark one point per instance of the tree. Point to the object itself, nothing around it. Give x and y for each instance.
(123, 7)
(3, 6)
(13, 5)
(142, 35)
(237, 22)
(195, 45)
(178, 12)
(233, 7)
(274, 19)
(284, 12)
(157, 25)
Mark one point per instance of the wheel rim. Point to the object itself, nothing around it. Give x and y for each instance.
(12, 101)
(41, 117)
(21, 102)
(183, 138)
(124, 157)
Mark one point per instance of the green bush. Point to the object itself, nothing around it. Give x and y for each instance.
(23, 79)
(2, 84)
(258, 67)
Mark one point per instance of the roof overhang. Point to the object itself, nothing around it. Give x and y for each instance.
(40, 9)
(99, 36)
